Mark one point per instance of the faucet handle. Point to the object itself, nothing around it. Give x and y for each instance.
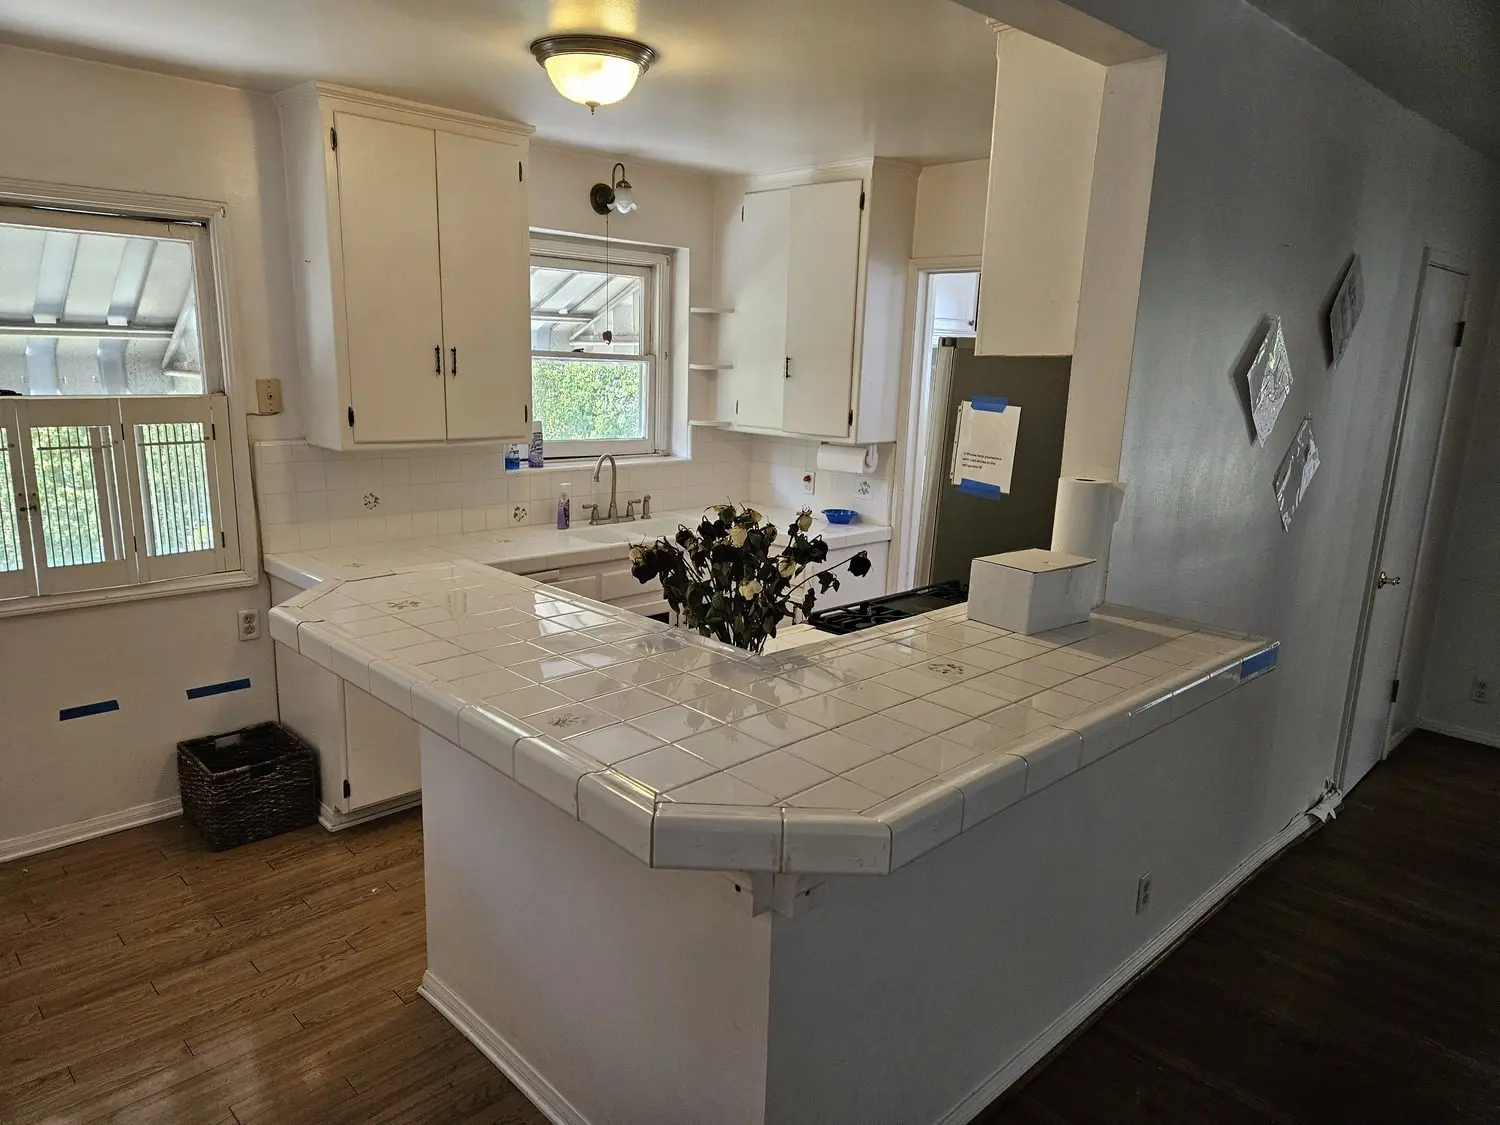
(593, 511)
(646, 507)
(630, 509)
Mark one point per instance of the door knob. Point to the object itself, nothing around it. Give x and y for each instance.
(1386, 580)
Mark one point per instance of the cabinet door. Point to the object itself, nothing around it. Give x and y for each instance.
(393, 311)
(760, 256)
(384, 750)
(486, 249)
(822, 288)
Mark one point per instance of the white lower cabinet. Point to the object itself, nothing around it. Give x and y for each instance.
(368, 759)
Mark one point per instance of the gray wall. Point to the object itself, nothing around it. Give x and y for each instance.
(1274, 164)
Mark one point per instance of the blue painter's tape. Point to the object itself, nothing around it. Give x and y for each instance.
(978, 488)
(218, 689)
(87, 709)
(992, 403)
(1260, 662)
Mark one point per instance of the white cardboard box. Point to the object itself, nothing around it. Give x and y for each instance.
(1032, 591)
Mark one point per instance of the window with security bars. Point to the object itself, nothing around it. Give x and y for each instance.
(115, 457)
(114, 492)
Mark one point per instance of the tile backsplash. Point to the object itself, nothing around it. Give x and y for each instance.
(309, 497)
(777, 466)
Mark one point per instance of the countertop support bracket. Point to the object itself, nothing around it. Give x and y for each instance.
(796, 895)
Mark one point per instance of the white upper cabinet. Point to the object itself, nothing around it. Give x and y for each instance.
(822, 304)
(760, 248)
(815, 269)
(486, 258)
(393, 290)
(410, 235)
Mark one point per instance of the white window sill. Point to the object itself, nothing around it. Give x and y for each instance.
(622, 460)
(174, 587)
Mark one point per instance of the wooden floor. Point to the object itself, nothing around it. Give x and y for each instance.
(144, 979)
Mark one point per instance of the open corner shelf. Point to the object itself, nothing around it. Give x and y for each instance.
(708, 310)
(710, 367)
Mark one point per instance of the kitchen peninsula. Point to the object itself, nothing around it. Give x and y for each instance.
(649, 856)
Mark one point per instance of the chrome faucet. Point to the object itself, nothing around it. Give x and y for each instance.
(613, 515)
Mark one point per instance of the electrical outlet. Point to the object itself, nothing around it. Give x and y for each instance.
(1482, 690)
(809, 483)
(247, 621)
(1143, 893)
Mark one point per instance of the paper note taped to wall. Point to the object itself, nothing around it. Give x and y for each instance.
(984, 446)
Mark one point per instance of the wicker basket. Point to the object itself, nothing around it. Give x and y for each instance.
(248, 785)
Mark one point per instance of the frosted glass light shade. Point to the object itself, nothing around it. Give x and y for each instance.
(593, 70)
(592, 80)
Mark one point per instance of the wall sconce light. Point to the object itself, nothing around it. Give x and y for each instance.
(620, 198)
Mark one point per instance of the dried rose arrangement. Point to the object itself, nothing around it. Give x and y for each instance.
(732, 579)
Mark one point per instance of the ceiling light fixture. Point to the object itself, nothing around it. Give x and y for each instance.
(593, 70)
(621, 197)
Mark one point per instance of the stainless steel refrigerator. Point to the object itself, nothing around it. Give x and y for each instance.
(959, 525)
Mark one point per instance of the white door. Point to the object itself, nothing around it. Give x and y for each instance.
(760, 257)
(485, 244)
(821, 293)
(388, 226)
(1399, 543)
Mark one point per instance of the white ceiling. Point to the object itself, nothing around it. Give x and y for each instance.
(1440, 58)
(741, 85)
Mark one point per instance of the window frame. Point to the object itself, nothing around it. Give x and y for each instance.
(656, 331)
(206, 224)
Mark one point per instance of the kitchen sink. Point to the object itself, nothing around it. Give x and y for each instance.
(631, 532)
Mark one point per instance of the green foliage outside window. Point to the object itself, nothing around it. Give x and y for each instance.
(588, 400)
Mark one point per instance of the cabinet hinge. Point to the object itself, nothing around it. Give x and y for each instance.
(1458, 334)
(526, 411)
(333, 139)
(520, 171)
(223, 539)
(1395, 689)
(346, 788)
(851, 417)
(736, 406)
(861, 201)
(351, 417)
(742, 214)
(213, 431)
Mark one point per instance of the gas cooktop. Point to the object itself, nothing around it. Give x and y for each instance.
(891, 607)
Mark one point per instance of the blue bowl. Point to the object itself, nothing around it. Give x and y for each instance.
(840, 515)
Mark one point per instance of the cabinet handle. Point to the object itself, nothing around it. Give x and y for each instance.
(437, 360)
(455, 362)
(786, 372)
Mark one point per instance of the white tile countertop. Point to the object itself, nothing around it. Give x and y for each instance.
(524, 548)
(852, 754)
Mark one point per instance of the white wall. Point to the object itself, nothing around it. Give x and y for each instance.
(950, 210)
(1466, 630)
(96, 126)
(1274, 163)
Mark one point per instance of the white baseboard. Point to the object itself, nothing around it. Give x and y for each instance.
(336, 821)
(495, 1047)
(62, 836)
(1074, 1017)
(1468, 734)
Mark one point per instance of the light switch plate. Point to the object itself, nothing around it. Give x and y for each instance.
(268, 396)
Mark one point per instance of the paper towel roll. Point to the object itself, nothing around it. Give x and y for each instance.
(848, 458)
(1085, 520)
